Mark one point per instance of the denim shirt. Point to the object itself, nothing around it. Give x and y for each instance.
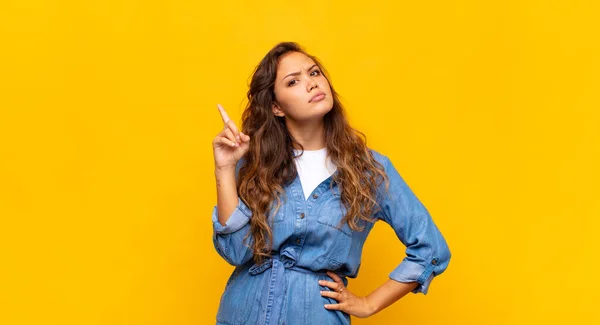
(306, 239)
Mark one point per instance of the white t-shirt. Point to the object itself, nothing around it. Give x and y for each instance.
(313, 168)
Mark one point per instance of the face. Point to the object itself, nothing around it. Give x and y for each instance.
(298, 80)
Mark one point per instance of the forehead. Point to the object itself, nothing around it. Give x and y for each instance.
(293, 62)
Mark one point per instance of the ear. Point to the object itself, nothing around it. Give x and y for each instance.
(277, 110)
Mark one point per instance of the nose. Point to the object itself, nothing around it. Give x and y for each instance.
(312, 84)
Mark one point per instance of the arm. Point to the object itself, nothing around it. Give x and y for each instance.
(230, 216)
(427, 253)
(227, 198)
(387, 294)
(366, 306)
(229, 231)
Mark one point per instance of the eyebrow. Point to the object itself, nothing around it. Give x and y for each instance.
(297, 73)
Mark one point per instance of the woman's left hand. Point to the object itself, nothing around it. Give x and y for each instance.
(347, 301)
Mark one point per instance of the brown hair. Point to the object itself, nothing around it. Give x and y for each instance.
(269, 163)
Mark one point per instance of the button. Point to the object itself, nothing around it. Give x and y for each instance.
(315, 196)
(298, 241)
(434, 261)
(302, 215)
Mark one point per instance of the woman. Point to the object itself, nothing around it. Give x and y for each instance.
(298, 191)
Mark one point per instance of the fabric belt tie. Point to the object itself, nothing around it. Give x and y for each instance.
(286, 259)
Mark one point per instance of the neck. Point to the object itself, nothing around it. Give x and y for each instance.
(310, 135)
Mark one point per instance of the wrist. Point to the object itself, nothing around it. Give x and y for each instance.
(224, 169)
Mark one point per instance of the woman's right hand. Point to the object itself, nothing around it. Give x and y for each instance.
(230, 144)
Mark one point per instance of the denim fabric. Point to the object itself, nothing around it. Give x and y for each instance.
(306, 243)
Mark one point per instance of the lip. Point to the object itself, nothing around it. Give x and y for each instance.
(317, 97)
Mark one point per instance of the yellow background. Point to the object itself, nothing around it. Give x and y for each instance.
(489, 109)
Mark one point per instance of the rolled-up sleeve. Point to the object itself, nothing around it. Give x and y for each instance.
(228, 239)
(427, 253)
(238, 219)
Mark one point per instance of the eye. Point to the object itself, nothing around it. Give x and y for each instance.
(291, 83)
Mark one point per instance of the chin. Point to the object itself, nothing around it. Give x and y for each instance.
(327, 102)
(319, 111)
(324, 106)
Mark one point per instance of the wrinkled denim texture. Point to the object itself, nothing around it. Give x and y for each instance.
(285, 289)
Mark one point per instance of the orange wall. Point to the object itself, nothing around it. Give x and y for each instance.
(107, 113)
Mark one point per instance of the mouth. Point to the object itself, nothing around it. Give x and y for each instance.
(317, 97)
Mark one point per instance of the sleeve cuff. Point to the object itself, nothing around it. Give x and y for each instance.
(409, 271)
(238, 219)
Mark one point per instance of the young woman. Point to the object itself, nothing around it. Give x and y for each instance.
(298, 192)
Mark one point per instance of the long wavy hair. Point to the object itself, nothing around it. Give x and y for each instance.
(269, 163)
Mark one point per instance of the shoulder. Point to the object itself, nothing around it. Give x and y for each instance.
(379, 157)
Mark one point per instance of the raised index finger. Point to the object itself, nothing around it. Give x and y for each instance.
(224, 115)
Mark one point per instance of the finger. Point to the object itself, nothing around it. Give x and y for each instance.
(334, 306)
(328, 284)
(336, 278)
(231, 126)
(335, 287)
(229, 135)
(244, 137)
(224, 115)
(226, 142)
(331, 294)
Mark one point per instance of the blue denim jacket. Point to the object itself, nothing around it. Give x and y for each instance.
(306, 243)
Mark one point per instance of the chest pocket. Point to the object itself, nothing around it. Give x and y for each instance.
(333, 211)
